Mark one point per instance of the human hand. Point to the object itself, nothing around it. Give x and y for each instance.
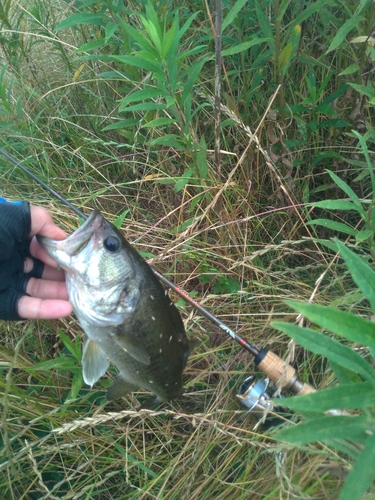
(26, 268)
(48, 296)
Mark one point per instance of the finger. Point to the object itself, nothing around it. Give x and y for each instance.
(45, 289)
(49, 273)
(35, 308)
(42, 223)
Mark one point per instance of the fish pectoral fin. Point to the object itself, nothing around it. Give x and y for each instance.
(119, 388)
(94, 362)
(132, 347)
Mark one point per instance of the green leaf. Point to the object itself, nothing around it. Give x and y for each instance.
(368, 91)
(343, 31)
(141, 95)
(348, 396)
(132, 122)
(168, 140)
(188, 85)
(143, 106)
(63, 363)
(335, 205)
(345, 324)
(243, 46)
(328, 347)
(350, 70)
(68, 343)
(81, 18)
(362, 473)
(349, 191)
(110, 30)
(264, 24)
(363, 235)
(233, 13)
(309, 11)
(77, 384)
(362, 273)
(335, 226)
(284, 57)
(159, 122)
(326, 428)
(139, 62)
(120, 219)
(93, 45)
(343, 375)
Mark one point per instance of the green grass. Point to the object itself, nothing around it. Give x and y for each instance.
(240, 242)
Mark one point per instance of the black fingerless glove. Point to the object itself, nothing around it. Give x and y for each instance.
(15, 226)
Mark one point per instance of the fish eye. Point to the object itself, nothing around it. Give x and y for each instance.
(112, 244)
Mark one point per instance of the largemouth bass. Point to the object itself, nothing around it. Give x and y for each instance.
(125, 312)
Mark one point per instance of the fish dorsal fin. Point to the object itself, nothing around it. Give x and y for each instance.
(132, 346)
(119, 388)
(94, 362)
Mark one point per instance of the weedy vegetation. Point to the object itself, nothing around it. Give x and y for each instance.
(113, 104)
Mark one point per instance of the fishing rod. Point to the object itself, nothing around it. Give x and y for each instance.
(277, 370)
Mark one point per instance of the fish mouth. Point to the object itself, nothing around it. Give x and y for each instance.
(76, 242)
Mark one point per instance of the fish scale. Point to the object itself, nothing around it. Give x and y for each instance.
(127, 316)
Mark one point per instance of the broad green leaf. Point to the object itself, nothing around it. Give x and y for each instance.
(309, 11)
(348, 396)
(363, 235)
(159, 122)
(327, 243)
(120, 219)
(132, 122)
(141, 95)
(68, 343)
(364, 148)
(82, 18)
(233, 13)
(188, 85)
(63, 363)
(171, 39)
(77, 384)
(368, 91)
(362, 473)
(265, 25)
(243, 46)
(110, 30)
(144, 106)
(350, 69)
(168, 140)
(138, 62)
(335, 205)
(347, 325)
(326, 428)
(139, 37)
(328, 347)
(93, 45)
(284, 57)
(343, 31)
(153, 33)
(362, 273)
(335, 226)
(334, 123)
(349, 191)
(187, 24)
(343, 375)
